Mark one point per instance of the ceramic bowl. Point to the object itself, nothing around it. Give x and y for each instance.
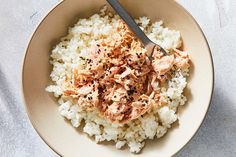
(42, 108)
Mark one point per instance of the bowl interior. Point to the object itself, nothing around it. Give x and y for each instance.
(43, 109)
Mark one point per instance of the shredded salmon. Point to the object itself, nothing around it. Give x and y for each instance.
(119, 79)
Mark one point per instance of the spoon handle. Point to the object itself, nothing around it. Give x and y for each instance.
(129, 21)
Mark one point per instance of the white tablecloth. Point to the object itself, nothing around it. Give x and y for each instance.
(216, 137)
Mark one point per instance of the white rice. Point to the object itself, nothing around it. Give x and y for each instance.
(66, 55)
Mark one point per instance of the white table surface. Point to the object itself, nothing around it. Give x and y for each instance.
(217, 135)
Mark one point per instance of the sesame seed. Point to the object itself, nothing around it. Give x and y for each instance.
(130, 92)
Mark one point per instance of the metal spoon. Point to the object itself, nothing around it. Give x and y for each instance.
(149, 45)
